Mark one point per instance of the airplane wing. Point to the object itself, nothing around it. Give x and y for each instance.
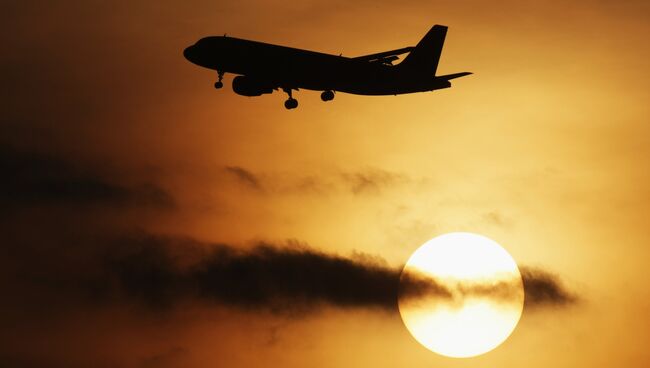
(386, 57)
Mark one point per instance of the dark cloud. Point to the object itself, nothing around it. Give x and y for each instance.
(30, 178)
(544, 289)
(415, 286)
(246, 177)
(161, 271)
(541, 288)
(66, 263)
(289, 278)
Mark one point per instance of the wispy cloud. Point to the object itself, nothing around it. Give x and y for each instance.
(244, 176)
(372, 181)
(30, 178)
(358, 182)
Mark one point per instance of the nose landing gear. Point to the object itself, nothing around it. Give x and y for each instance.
(219, 84)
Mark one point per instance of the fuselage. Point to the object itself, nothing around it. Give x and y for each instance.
(286, 67)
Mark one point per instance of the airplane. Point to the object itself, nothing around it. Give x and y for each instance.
(262, 68)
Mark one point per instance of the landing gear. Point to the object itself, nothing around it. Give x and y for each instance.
(327, 96)
(219, 84)
(290, 103)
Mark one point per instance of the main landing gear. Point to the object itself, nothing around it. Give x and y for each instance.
(327, 96)
(219, 84)
(290, 103)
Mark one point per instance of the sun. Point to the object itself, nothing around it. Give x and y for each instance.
(461, 295)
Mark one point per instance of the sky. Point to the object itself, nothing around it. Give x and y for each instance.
(139, 206)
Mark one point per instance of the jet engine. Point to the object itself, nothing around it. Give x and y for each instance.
(247, 86)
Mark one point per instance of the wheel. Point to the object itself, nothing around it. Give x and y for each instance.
(291, 103)
(327, 96)
(218, 85)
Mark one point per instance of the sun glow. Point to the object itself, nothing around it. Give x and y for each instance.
(461, 295)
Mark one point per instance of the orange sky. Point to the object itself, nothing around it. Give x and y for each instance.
(544, 149)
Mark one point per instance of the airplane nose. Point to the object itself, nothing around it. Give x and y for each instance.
(189, 53)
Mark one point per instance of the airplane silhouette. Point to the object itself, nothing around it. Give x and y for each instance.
(263, 68)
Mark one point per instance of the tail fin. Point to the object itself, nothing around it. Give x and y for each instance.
(425, 56)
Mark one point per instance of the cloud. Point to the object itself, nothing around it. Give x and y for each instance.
(30, 178)
(497, 218)
(541, 289)
(371, 180)
(161, 271)
(245, 177)
(544, 289)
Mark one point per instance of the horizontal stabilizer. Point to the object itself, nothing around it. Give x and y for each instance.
(453, 76)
